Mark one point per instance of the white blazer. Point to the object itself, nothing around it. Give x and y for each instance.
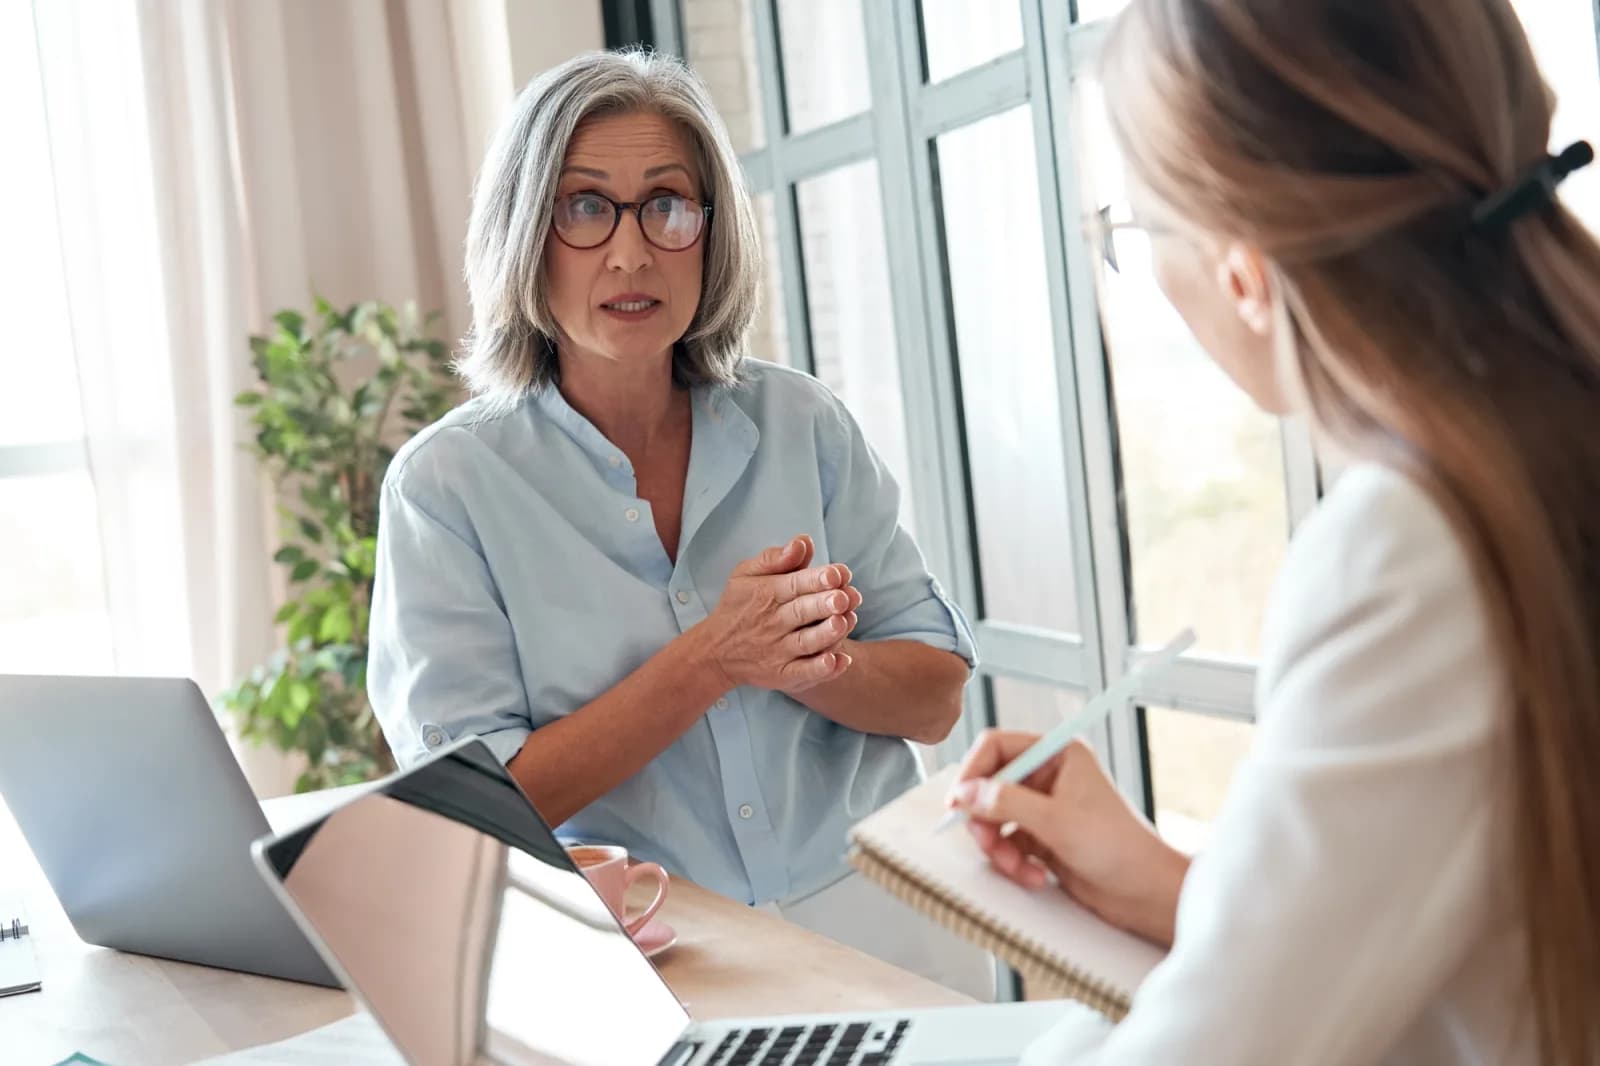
(1354, 904)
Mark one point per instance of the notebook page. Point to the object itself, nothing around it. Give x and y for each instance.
(903, 831)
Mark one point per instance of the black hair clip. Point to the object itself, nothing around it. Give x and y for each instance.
(1536, 189)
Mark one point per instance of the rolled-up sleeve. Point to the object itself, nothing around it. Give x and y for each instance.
(901, 600)
(442, 662)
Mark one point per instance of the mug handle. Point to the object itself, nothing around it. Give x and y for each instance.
(646, 869)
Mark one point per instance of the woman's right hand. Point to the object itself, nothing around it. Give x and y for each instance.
(1070, 821)
(781, 621)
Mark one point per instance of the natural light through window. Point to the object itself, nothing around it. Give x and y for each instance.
(53, 615)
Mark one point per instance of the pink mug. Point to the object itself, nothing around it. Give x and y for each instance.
(606, 867)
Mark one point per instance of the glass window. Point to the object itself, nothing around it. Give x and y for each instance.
(1089, 10)
(847, 300)
(721, 46)
(38, 375)
(958, 35)
(53, 616)
(1207, 514)
(824, 48)
(994, 247)
(769, 337)
(1031, 706)
(1193, 758)
(1562, 33)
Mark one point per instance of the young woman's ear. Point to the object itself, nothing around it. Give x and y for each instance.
(1245, 282)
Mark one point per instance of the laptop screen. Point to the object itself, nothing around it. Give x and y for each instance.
(458, 918)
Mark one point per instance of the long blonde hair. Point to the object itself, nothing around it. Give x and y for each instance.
(1350, 141)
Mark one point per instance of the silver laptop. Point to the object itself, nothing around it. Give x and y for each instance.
(142, 820)
(454, 915)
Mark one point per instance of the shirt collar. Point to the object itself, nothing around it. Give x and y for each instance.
(724, 438)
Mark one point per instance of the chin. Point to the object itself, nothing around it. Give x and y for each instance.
(632, 346)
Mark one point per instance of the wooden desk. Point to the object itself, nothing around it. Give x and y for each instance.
(129, 1010)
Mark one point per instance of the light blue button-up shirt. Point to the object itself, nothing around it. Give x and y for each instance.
(520, 576)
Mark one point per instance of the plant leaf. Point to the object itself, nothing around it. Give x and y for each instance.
(337, 624)
(292, 322)
(304, 569)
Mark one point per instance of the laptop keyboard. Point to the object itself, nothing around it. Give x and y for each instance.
(853, 1044)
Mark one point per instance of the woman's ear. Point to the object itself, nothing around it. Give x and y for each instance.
(1246, 283)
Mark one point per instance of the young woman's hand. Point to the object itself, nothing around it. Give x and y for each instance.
(1068, 820)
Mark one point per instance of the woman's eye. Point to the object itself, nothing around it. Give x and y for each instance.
(588, 206)
(664, 205)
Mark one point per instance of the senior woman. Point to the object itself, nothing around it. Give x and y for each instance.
(666, 585)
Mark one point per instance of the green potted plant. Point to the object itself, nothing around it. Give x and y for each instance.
(338, 391)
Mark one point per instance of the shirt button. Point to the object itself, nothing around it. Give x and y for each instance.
(747, 812)
(432, 736)
(722, 704)
(631, 514)
(683, 597)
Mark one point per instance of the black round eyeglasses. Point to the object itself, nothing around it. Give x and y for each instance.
(667, 220)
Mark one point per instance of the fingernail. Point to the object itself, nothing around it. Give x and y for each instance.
(838, 601)
(847, 659)
(962, 795)
(829, 578)
(977, 795)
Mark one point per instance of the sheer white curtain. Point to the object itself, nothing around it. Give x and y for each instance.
(214, 162)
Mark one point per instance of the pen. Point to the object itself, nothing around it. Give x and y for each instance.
(1054, 742)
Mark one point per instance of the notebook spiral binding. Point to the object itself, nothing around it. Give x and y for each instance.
(13, 930)
(1045, 974)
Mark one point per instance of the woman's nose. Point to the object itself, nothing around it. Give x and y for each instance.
(628, 250)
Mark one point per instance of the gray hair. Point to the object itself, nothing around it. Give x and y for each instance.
(512, 348)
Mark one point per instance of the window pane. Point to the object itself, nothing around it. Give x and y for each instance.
(38, 375)
(961, 34)
(53, 616)
(824, 48)
(995, 253)
(1031, 706)
(1563, 36)
(1088, 10)
(769, 338)
(1202, 466)
(719, 36)
(1192, 762)
(847, 298)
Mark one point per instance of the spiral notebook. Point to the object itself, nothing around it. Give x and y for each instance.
(1061, 949)
(19, 968)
